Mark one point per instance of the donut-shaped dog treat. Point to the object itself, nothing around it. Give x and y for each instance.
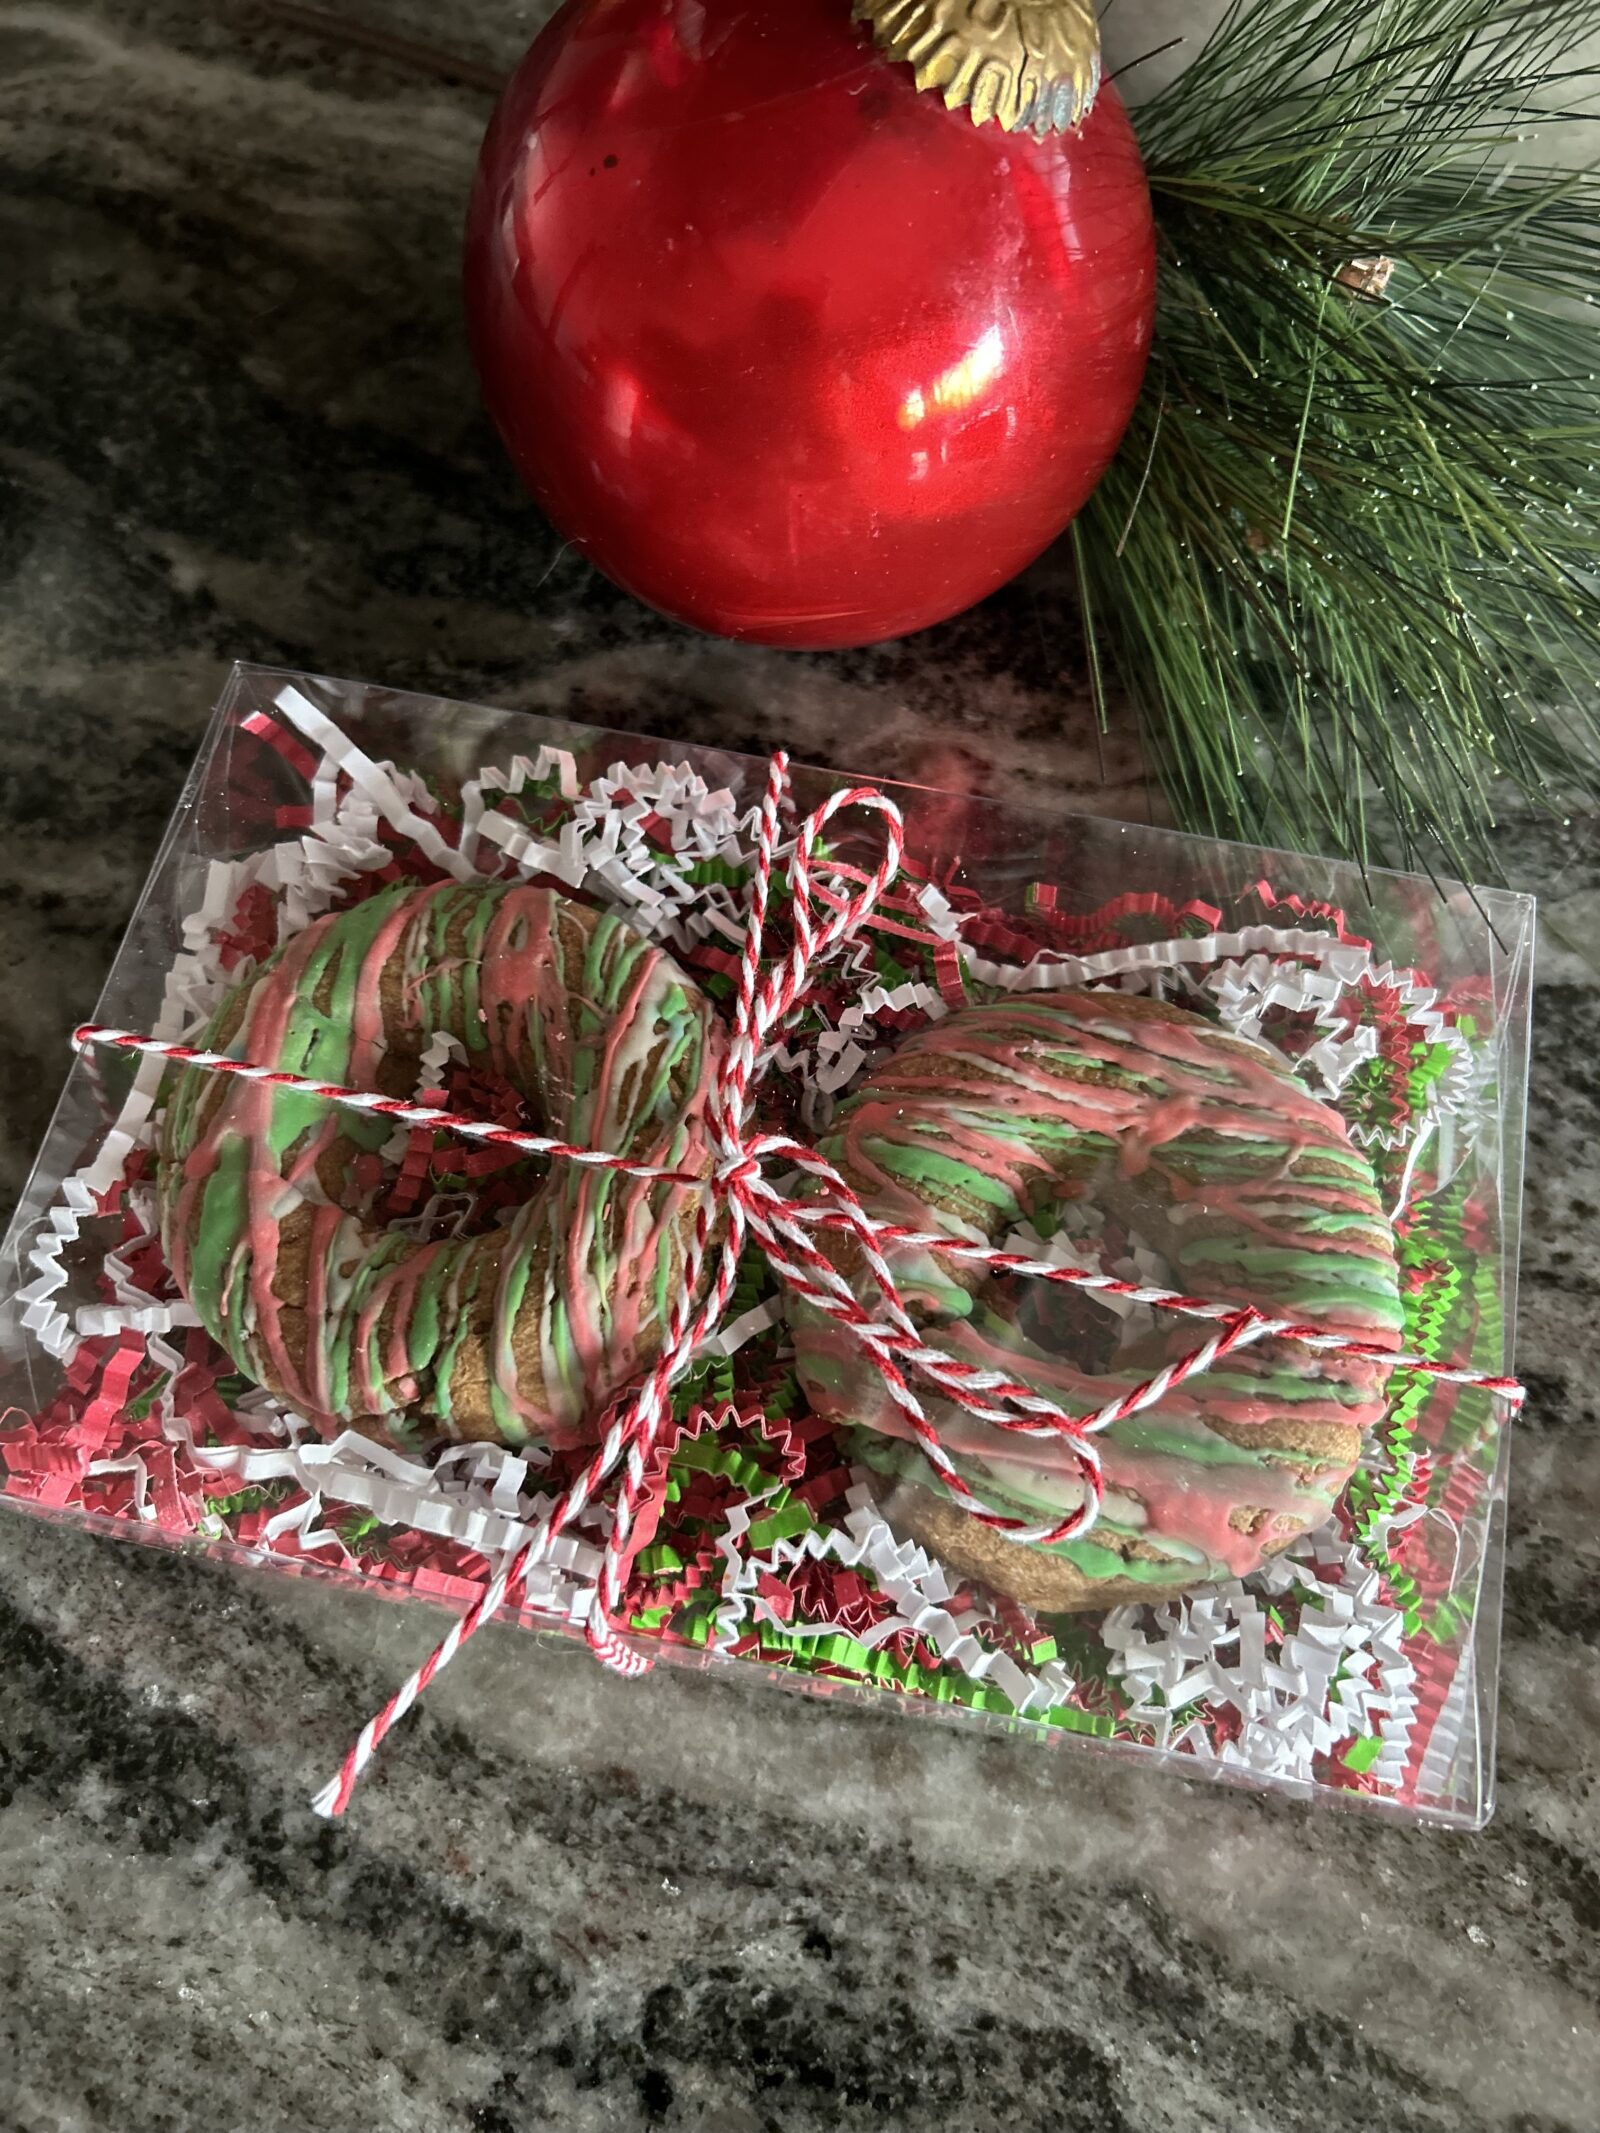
(523, 1332)
(1085, 1110)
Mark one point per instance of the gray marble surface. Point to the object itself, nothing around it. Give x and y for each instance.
(236, 419)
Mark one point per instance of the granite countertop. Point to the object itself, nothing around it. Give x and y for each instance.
(237, 421)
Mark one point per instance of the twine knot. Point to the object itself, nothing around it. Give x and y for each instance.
(741, 1167)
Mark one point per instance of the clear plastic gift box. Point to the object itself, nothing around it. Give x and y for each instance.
(1358, 1663)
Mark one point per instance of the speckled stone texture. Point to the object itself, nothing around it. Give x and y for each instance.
(236, 419)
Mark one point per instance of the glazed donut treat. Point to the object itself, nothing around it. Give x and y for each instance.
(1126, 1124)
(526, 1331)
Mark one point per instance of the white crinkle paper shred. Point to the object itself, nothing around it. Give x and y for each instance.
(910, 1577)
(1341, 1671)
(1247, 977)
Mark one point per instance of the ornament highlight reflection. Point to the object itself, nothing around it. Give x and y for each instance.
(960, 385)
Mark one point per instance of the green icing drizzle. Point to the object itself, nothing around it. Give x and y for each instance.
(1209, 1144)
(614, 1051)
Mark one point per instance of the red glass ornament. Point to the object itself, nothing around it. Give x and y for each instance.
(786, 348)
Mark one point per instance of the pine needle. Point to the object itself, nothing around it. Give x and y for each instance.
(1347, 563)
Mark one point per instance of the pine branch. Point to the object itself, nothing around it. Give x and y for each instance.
(1348, 560)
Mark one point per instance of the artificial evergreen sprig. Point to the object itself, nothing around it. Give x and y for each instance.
(1345, 564)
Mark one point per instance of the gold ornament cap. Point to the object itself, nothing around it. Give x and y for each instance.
(1031, 65)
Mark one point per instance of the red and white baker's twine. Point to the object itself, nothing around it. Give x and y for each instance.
(739, 1198)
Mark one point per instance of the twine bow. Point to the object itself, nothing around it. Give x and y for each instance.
(741, 1203)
